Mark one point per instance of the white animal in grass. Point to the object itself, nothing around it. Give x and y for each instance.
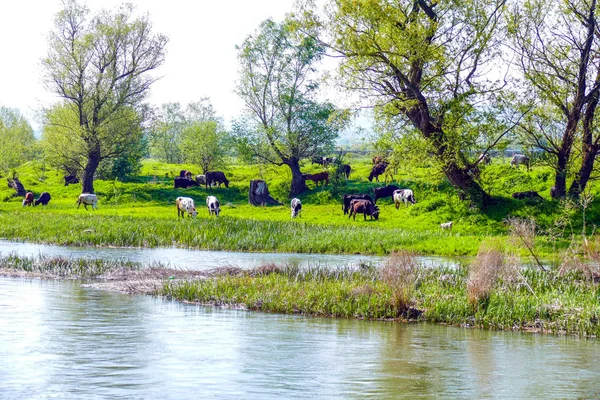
(88, 199)
(213, 205)
(446, 225)
(403, 195)
(296, 207)
(185, 205)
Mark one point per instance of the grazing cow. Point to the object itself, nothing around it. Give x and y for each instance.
(184, 182)
(213, 205)
(378, 169)
(364, 207)
(446, 225)
(403, 195)
(71, 180)
(345, 170)
(28, 200)
(328, 160)
(347, 198)
(527, 195)
(217, 177)
(185, 174)
(383, 192)
(519, 159)
(484, 158)
(296, 207)
(201, 179)
(316, 178)
(87, 199)
(185, 205)
(44, 199)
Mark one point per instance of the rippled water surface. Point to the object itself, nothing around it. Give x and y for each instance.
(62, 340)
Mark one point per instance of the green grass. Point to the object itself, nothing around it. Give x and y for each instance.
(561, 304)
(142, 213)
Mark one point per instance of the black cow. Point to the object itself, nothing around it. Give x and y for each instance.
(71, 180)
(383, 192)
(345, 169)
(364, 207)
(217, 177)
(347, 198)
(185, 174)
(184, 182)
(530, 194)
(44, 199)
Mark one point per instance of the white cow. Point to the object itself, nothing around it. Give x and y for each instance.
(519, 159)
(213, 205)
(446, 225)
(185, 205)
(87, 199)
(201, 179)
(296, 207)
(403, 195)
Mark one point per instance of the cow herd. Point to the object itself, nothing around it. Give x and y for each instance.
(185, 205)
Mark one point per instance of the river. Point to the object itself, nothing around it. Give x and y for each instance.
(59, 339)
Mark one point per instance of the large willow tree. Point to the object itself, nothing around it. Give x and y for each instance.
(423, 62)
(100, 66)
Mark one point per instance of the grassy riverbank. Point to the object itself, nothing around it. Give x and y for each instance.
(501, 297)
(141, 213)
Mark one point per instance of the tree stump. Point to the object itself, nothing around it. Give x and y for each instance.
(259, 194)
(17, 185)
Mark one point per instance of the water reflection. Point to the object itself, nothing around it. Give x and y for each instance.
(58, 339)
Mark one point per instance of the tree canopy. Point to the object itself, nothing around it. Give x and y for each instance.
(17, 141)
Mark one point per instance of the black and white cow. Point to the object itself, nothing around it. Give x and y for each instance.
(403, 195)
(213, 205)
(519, 159)
(296, 206)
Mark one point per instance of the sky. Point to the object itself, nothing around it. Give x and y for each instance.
(201, 57)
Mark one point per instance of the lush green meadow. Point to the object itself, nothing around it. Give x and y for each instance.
(142, 212)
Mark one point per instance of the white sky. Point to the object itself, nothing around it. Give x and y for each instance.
(201, 57)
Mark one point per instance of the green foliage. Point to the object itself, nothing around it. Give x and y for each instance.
(203, 144)
(17, 143)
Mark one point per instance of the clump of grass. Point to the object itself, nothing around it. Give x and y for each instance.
(483, 275)
(265, 269)
(523, 230)
(400, 272)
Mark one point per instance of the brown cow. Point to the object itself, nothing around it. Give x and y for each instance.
(364, 207)
(316, 178)
(28, 200)
(377, 170)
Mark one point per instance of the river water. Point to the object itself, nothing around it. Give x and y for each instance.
(61, 340)
(201, 259)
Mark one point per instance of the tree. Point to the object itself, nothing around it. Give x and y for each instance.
(202, 144)
(122, 137)
(101, 68)
(17, 142)
(422, 62)
(278, 85)
(557, 44)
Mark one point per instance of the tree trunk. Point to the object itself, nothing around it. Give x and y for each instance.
(17, 186)
(460, 178)
(560, 181)
(584, 173)
(298, 182)
(88, 174)
(258, 195)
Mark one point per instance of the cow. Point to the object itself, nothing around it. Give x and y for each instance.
(383, 192)
(347, 198)
(296, 206)
(316, 178)
(364, 207)
(185, 205)
(71, 180)
(378, 169)
(484, 158)
(87, 199)
(527, 195)
(185, 174)
(213, 205)
(44, 199)
(518, 159)
(329, 160)
(446, 225)
(345, 170)
(217, 177)
(317, 160)
(201, 179)
(403, 195)
(28, 200)
(184, 183)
